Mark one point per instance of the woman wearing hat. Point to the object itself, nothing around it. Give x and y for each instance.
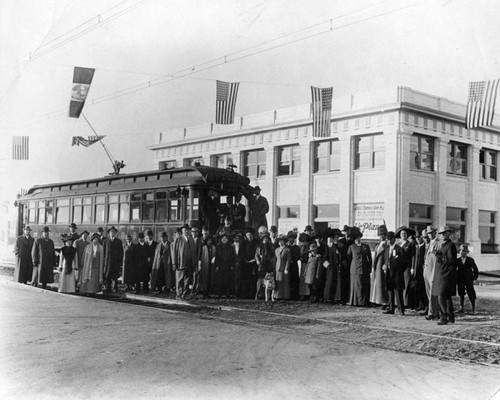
(225, 259)
(379, 294)
(93, 266)
(206, 267)
(293, 271)
(360, 260)
(68, 263)
(282, 267)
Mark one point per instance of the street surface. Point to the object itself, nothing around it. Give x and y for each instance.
(57, 346)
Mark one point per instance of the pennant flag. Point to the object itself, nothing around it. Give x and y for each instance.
(321, 111)
(80, 140)
(20, 147)
(481, 103)
(82, 78)
(226, 102)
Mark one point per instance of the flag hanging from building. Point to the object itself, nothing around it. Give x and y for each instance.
(321, 111)
(481, 103)
(226, 102)
(80, 140)
(20, 147)
(82, 78)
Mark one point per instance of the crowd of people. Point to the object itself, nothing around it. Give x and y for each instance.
(406, 270)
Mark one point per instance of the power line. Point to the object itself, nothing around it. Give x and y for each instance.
(213, 63)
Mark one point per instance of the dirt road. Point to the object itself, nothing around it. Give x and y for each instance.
(63, 347)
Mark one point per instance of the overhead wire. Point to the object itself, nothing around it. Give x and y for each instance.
(215, 62)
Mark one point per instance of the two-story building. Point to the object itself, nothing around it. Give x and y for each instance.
(399, 157)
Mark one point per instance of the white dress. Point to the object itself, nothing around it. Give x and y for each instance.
(67, 281)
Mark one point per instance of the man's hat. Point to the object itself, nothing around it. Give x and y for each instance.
(304, 237)
(330, 233)
(46, 229)
(443, 229)
(273, 228)
(27, 228)
(112, 229)
(313, 246)
(381, 230)
(257, 188)
(282, 237)
(430, 229)
(66, 238)
(100, 229)
(463, 247)
(140, 235)
(308, 228)
(128, 237)
(345, 229)
(185, 226)
(73, 225)
(391, 235)
(163, 234)
(250, 230)
(95, 235)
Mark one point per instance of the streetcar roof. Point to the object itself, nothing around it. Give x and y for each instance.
(197, 175)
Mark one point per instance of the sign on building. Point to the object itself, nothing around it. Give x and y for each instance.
(368, 217)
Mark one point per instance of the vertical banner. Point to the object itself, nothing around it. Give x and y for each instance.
(20, 147)
(321, 111)
(82, 78)
(225, 103)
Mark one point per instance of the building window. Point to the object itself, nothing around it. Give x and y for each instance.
(191, 162)
(289, 212)
(327, 213)
(289, 160)
(254, 163)
(420, 216)
(62, 211)
(455, 219)
(99, 209)
(327, 156)
(422, 152)
(41, 212)
(370, 151)
(457, 158)
(167, 164)
(221, 160)
(488, 162)
(487, 232)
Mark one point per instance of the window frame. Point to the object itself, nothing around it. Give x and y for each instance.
(486, 166)
(294, 164)
(371, 151)
(259, 165)
(332, 159)
(454, 163)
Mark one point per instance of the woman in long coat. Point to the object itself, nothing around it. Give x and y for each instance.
(360, 258)
(206, 266)
(332, 262)
(225, 259)
(68, 263)
(293, 271)
(378, 293)
(311, 271)
(305, 241)
(283, 259)
(93, 267)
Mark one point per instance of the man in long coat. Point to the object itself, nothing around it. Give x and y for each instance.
(160, 274)
(184, 261)
(43, 257)
(259, 207)
(332, 263)
(429, 267)
(445, 276)
(24, 263)
(113, 258)
(139, 255)
(395, 268)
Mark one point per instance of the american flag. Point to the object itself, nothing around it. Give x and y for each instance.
(226, 102)
(481, 103)
(80, 140)
(321, 111)
(20, 147)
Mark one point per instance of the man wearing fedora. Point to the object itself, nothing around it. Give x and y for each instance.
(445, 276)
(43, 256)
(259, 207)
(113, 257)
(467, 273)
(184, 261)
(22, 250)
(72, 231)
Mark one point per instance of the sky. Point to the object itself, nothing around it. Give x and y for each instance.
(157, 62)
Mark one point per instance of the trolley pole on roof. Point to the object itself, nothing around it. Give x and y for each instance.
(117, 165)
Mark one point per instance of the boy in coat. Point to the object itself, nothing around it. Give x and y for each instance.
(467, 273)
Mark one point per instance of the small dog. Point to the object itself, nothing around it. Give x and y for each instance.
(269, 286)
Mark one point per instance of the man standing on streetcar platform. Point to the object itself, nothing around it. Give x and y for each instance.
(259, 207)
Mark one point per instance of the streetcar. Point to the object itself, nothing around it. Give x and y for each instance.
(158, 200)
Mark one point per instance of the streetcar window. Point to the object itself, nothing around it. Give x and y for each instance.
(124, 208)
(161, 207)
(196, 208)
(77, 210)
(99, 209)
(148, 207)
(41, 212)
(113, 208)
(31, 212)
(87, 209)
(49, 212)
(174, 206)
(62, 211)
(135, 207)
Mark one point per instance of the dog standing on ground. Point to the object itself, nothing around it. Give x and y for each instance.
(269, 286)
